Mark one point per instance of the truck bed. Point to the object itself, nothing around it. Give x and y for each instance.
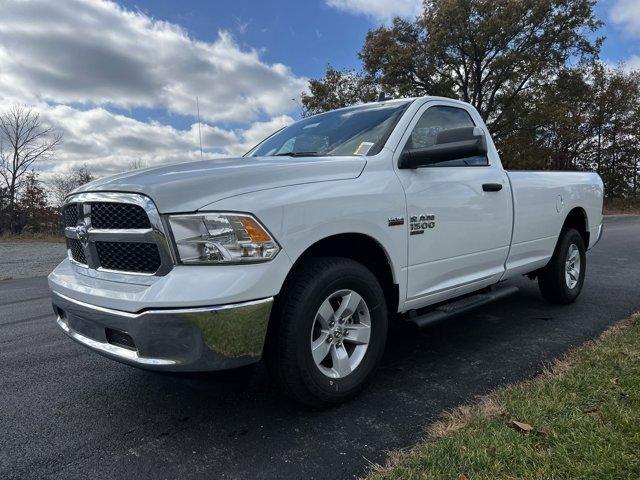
(541, 202)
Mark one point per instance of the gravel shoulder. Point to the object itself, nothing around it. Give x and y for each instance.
(25, 260)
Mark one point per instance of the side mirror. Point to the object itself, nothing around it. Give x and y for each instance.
(452, 144)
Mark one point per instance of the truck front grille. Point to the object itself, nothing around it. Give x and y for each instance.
(77, 252)
(70, 215)
(116, 232)
(129, 256)
(118, 215)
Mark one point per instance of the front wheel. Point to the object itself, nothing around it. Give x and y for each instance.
(561, 280)
(329, 331)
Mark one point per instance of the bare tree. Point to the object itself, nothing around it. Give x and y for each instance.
(23, 142)
(137, 164)
(63, 184)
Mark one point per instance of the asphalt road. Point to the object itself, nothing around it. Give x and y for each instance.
(68, 413)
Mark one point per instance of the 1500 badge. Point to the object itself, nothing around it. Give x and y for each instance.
(419, 223)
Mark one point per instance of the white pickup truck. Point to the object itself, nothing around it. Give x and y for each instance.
(304, 249)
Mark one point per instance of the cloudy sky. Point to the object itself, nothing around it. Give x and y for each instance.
(121, 79)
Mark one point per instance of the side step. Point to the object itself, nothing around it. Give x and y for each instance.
(463, 305)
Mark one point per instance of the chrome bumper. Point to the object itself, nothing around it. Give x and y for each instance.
(193, 339)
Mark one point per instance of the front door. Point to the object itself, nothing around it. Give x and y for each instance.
(459, 234)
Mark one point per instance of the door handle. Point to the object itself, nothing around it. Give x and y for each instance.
(492, 187)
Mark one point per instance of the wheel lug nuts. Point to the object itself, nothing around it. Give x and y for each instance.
(346, 333)
(329, 339)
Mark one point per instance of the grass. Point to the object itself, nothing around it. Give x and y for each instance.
(622, 206)
(31, 238)
(579, 419)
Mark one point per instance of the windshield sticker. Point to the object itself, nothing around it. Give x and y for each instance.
(363, 148)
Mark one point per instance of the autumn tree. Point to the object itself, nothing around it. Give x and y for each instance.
(531, 69)
(549, 127)
(336, 90)
(4, 207)
(586, 118)
(34, 212)
(489, 53)
(614, 126)
(24, 140)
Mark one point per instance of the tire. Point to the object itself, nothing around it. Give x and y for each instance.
(297, 326)
(555, 286)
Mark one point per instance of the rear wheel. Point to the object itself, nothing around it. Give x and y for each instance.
(561, 280)
(329, 331)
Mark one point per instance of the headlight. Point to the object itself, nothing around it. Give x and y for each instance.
(211, 238)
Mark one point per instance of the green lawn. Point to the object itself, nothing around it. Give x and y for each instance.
(578, 420)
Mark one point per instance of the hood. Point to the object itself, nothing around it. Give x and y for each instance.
(187, 187)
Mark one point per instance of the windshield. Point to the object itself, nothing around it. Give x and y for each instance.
(360, 130)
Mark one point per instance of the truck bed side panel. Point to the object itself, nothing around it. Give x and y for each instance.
(542, 201)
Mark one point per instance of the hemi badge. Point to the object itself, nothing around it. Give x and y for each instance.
(393, 221)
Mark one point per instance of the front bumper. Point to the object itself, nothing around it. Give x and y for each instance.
(183, 339)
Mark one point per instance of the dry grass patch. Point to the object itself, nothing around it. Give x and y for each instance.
(32, 238)
(622, 206)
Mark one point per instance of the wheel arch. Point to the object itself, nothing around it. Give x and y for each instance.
(578, 220)
(359, 247)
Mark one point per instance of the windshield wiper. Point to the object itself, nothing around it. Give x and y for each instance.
(299, 154)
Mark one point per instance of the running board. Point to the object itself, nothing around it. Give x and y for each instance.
(456, 307)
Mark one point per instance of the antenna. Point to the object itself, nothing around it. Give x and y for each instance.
(199, 130)
(299, 105)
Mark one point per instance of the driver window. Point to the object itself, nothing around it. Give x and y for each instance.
(438, 118)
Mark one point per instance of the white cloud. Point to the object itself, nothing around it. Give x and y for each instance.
(381, 10)
(257, 132)
(626, 13)
(76, 60)
(628, 65)
(95, 52)
(109, 142)
(632, 63)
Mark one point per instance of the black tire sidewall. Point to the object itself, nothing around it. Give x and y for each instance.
(566, 294)
(343, 275)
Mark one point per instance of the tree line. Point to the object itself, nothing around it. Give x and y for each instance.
(531, 68)
(26, 205)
